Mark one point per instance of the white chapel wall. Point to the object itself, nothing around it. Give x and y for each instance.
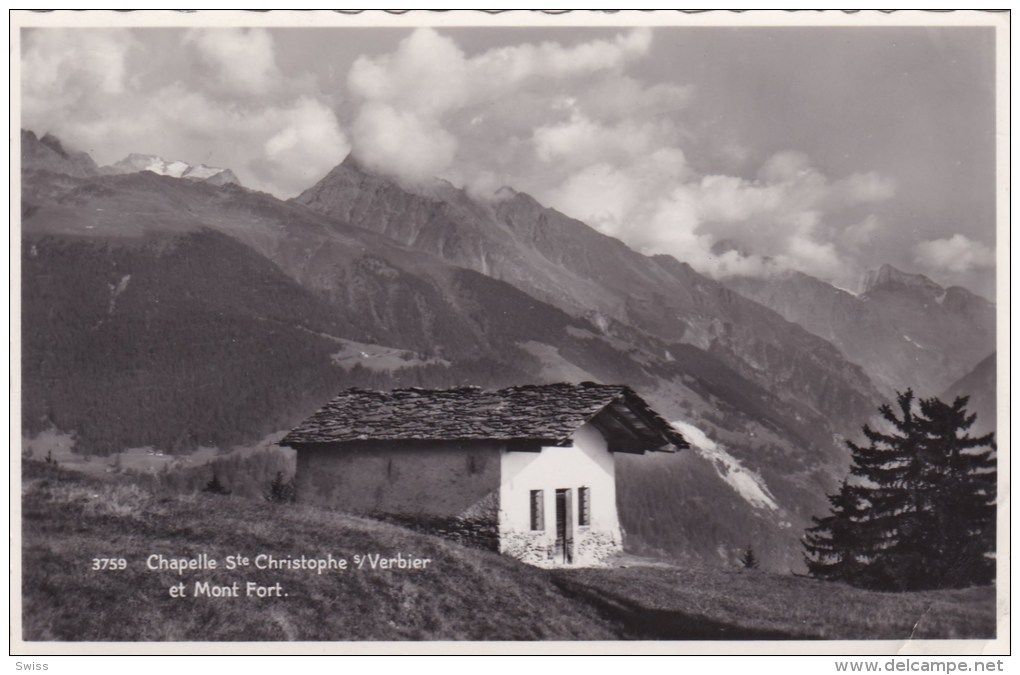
(586, 463)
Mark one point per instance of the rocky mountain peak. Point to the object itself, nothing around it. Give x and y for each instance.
(48, 153)
(887, 274)
(904, 329)
(54, 143)
(137, 162)
(352, 163)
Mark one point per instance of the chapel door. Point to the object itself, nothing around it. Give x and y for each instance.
(564, 527)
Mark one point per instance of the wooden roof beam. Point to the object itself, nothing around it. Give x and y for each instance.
(626, 424)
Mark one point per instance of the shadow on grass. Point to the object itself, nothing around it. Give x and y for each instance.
(642, 623)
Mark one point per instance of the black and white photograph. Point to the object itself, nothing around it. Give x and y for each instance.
(636, 331)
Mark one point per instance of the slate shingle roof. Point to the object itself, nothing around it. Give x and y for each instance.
(545, 413)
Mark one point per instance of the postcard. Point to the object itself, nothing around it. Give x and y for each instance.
(518, 332)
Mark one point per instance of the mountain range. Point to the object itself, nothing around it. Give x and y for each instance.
(905, 330)
(47, 153)
(174, 313)
(135, 163)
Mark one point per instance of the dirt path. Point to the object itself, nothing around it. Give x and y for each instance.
(638, 622)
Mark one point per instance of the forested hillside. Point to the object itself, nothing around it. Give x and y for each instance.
(173, 314)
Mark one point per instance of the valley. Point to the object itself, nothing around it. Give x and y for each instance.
(183, 316)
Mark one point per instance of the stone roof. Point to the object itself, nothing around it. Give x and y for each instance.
(547, 414)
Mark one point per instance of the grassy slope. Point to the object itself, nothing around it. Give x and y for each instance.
(69, 518)
(667, 602)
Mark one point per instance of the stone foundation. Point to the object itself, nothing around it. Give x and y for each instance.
(528, 547)
(594, 549)
(591, 549)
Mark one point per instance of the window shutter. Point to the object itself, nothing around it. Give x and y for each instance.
(584, 506)
(537, 510)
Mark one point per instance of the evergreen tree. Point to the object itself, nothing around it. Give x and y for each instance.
(920, 510)
(216, 487)
(834, 545)
(748, 559)
(280, 491)
(961, 493)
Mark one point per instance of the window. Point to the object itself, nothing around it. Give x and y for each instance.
(537, 510)
(583, 506)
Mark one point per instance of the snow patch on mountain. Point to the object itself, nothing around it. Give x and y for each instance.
(745, 482)
(913, 342)
(202, 171)
(136, 163)
(846, 290)
(115, 291)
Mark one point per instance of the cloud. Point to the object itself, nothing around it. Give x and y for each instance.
(416, 146)
(785, 218)
(95, 90)
(616, 96)
(956, 254)
(611, 195)
(281, 148)
(580, 141)
(430, 94)
(597, 195)
(571, 123)
(856, 236)
(786, 166)
(68, 69)
(586, 57)
(571, 126)
(306, 142)
(427, 74)
(869, 187)
(236, 60)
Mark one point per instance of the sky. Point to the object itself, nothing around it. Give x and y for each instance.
(738, 150)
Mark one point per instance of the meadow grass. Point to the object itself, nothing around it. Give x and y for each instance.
(688, 602)
(70, 518)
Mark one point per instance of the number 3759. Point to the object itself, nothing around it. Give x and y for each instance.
(109, 564)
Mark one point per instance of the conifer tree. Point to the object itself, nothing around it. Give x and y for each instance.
(834, 545)
(215, 487)
(919, 509)
(748, 559)
(280, 491)
(961, 493)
